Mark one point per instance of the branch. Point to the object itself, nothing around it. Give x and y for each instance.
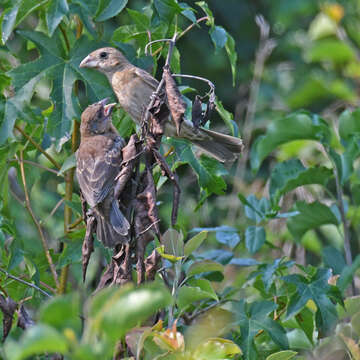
(192, 25)
(33, 163)
(36, 222)
(25, 283)
(38, 147)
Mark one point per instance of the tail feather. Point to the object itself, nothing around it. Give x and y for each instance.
(118, 220)
(222, 147)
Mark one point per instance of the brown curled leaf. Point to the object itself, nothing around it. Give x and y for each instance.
(196, 112)
(176, 103)
(152, 263)
(24, 319)
(7, 307)
(209, 109)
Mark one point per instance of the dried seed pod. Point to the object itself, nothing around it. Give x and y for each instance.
(196, 113)
(209, 109)
(176, 103)
(7, 307)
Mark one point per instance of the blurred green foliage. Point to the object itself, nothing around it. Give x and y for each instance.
(262, 263)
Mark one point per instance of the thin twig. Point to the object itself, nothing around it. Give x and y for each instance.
(153, 42)
(25, 283)
(36, 222)
(192, 25)
(53, 211)
(33, 163)
(38, 147)
(212, 86)
(204, 310)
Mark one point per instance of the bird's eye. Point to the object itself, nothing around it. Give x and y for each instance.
(103, 55)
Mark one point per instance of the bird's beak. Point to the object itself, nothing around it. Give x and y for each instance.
(108, 109)
(88, 62)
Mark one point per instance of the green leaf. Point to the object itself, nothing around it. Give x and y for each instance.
(216, 349)
(232, 55)
(208, 170)
(205, 7)
(194, 243)
(298, 340)
(71, 254)
(255, 209)
(347, 274)
(349, 124)
(310, 216)
(199, 267)
(140, 19)
(296, 126)
(62, 312)
(290, 174)
(110, 9)
(63, 72)
(227, 116)
(188, 295)
(333, 50)
(219, 36)
(316, 289)
(333, 259)
(57, 10)
(204, 285)
(167, 9)
(255, 317)
(173, 242)
(69, 163)
(17, 12)
(255, 238)
(282, 355)
(38, 339)
(113, 311)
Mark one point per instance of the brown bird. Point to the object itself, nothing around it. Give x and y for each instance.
(99, 158)
(134, 87)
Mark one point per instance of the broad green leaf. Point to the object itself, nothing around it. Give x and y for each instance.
(110, 9)
(208, 171)
(255, 317)
(71, 254)
(38, 339)
(333, 259)
(255, 238)
(227, 116)
(296, 126)
(194, 243)
(188, 295)
(17, 12)
(55, 13)
(69, 163)
(315, 289)
(173, 242)
(139, 18)
(322, 26)
(167, 9)
(204, 285)
(62, 312)
(298, 340)
(63, 72)
(216, 349)
(288, 175)
(199, 267)
(349, 124)
(218, 36)
(310, 216)
(113, 311)
(347, 274)
(282, 355)
(188, 12)
(255, 209)
(221, 256)
(333, 50)
(205, 7)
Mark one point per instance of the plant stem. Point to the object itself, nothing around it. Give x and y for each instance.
(192, 25)
(25, 283)
(36, 222)
(38, 147)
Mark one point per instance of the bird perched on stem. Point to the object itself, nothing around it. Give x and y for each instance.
(98, 163)
(134, 88)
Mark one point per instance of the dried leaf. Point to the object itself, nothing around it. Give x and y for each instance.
(152, 263)
(209, 109)
(196, 112)
(8, 307)
(176, 103)
(24, 319)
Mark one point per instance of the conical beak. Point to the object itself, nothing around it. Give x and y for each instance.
(88, 62)
(108, 109)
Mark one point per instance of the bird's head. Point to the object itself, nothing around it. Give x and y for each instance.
(96, 118)
(107, 60)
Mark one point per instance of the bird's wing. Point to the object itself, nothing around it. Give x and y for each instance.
(97, 170)
(145, 76)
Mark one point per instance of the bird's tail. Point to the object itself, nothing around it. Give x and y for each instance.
(114, 230)
(224, 148)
